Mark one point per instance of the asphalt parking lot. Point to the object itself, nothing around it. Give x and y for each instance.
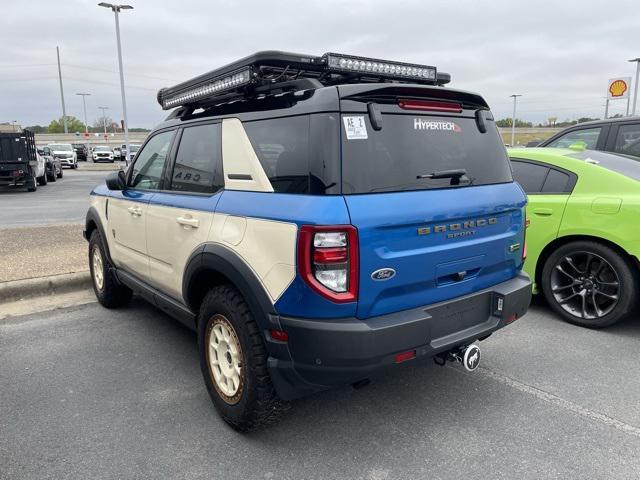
(91, 393)
(64, 201)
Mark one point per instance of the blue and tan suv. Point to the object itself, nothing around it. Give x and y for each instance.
(315, 219)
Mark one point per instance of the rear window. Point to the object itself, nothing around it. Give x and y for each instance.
(627, 166)
(409, 146)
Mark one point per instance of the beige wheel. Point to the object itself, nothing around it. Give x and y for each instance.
(224, 357)
(98, 268)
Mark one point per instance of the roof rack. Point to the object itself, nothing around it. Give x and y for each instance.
(271, 72)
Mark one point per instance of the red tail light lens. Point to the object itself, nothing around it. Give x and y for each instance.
(430, 105)
(328, 261)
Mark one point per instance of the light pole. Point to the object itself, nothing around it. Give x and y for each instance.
(116, 10)
(635, 85)
(86, 127)
(104, 120)
(64, 110)
(513, 119)
(84, 105)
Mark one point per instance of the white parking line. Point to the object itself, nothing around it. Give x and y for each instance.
(558, 401)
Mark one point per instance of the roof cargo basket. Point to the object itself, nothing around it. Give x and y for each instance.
(272, 72)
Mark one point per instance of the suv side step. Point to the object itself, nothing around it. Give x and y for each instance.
(165, 303)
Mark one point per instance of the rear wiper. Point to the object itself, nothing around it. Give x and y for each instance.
(454, 175)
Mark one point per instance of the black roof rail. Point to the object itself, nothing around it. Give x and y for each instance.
(272, 72)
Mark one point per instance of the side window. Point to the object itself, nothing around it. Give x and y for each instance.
(628, 140)
(147, 169)
(529, 175)
(586, 138)
(198, 165)
(282, 146)
(556, 182)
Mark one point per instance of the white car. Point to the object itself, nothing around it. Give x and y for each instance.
(65, 152)
(102, 153)
(133, 149)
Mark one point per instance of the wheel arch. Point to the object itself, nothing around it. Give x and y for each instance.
(560, 241)
(213, 264)
(92, 223)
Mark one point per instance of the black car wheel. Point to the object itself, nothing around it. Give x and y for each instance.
(42, 181)
(589, 284)
(233, 360)
(60, 172)
(31, 184)
(52, 175)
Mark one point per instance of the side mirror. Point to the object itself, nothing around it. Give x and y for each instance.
(116, 180)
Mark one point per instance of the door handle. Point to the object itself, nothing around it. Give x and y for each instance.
(135, 211)
(188, 221)
(543, 212)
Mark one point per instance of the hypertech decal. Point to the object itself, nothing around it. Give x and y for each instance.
(436, 125)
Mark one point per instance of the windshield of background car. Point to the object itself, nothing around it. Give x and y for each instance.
(408, 146)
(102, 149)
(61, 148)
(629, 167)
(134, 148)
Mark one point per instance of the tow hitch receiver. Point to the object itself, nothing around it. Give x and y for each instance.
(468, 356)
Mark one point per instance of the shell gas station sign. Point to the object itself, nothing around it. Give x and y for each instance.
(619, 88)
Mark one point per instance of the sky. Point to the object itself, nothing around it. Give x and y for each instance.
(557, 54)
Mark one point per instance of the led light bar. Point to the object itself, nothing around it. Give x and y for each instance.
(228, 82)
(384, 68)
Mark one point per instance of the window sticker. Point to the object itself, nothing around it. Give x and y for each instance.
(355, 127)
(436, 125)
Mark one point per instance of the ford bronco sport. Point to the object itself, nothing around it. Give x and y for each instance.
(315, 219)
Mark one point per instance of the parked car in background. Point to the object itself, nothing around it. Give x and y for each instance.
(20, 163)
(116, 153)
(582, 241)
(133, 149)
(616, 135)
(81, 151)
(128, 155)
(65, 153)
(102, 153)
(52, 165)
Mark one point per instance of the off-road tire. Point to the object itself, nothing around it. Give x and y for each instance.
(52, 176)
(42, 181)
(256, 404)
(60, 173)
(32, 185)
(111, 294)
(627, 278)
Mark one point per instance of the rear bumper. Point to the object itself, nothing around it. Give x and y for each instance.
(325, 353)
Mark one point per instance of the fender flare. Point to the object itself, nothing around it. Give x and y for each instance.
(217, 258)
(94, 217)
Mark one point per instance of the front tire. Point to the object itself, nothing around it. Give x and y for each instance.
(42, 181)
(589, 284)
(60, 173)
(109, 292)
(233, 360)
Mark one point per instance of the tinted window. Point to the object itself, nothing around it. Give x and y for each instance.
(294, 159)
(627, 166)
(529, 175)
(556, 182)
(408, 146)
(147, 169)
(198, 166)
(628, 140)
(586, 138)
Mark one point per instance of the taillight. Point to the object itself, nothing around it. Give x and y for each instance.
(430, 105)
(328, 260)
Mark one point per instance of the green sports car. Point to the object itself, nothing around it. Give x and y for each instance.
(583, 239)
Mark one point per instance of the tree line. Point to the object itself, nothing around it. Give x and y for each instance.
(75, 125)
(552, 122)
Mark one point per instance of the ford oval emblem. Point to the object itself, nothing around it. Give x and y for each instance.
(383, 274)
